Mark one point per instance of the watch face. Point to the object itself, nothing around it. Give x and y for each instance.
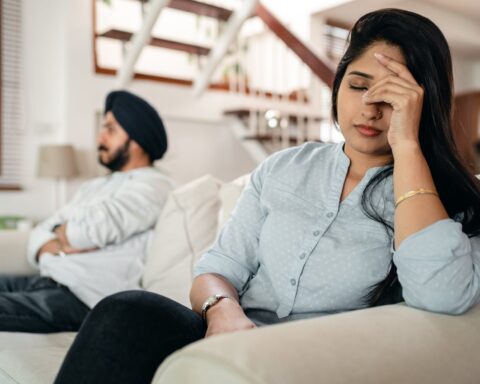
(209, 302)
(212, 300)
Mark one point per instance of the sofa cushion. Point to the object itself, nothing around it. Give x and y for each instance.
(32, 358)
(13, 255)
(185, 229)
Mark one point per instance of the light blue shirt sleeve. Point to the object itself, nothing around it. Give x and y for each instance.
(234, 254)
(439, 268)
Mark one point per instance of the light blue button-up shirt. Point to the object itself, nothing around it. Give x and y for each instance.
(293, 250)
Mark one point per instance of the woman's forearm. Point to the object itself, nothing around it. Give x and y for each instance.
(208, 285)
(411, 172)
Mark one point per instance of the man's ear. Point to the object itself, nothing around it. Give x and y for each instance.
(135, 147)
(137, 150)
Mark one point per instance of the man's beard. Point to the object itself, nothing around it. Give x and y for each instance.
(119, 159)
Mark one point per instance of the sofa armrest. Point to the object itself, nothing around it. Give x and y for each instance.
(13, 253)
(390, 344)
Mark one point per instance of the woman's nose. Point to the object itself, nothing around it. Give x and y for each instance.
(372, 112)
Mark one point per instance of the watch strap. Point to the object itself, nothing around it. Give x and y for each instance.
(210, 302)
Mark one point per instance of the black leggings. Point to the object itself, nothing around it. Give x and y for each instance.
(126, 337)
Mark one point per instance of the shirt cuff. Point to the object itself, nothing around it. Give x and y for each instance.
(37, 239)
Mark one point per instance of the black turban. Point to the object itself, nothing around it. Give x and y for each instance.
(140, 120)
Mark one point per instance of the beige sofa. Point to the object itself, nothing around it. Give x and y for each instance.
(391, 344)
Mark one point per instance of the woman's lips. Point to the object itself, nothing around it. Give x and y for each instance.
(368, 131)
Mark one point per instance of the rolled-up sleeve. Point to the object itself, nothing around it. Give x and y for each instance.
(234, 254)
(439, 268)
(133, 209)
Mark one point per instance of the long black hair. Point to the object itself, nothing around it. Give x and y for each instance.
(427, 57)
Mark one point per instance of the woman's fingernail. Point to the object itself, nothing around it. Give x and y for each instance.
(379, 55)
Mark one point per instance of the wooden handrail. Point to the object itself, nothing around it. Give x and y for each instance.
(316, 65)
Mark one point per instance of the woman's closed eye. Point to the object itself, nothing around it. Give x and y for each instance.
(358, 87)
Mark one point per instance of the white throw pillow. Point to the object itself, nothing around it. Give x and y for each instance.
(184, 231)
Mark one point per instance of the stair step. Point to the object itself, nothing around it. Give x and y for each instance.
(157, 42)
(199, 8)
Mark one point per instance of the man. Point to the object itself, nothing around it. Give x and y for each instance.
(95, 245)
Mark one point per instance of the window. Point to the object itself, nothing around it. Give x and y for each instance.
(11, 96)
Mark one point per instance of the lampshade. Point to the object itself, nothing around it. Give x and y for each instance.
(57, 161)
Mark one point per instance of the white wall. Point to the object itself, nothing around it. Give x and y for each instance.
(465, 74)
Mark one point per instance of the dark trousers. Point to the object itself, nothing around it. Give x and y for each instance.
(38, 305)
(126, 337)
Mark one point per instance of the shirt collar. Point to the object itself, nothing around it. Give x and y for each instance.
(344, 161)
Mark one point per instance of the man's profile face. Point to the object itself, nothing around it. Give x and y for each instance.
(113, 144)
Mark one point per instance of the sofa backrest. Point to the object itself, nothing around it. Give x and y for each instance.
(186, 228)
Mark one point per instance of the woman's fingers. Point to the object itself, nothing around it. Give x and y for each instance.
(396, 67)
(394, 90)
(389, 92)
(396, 100)
(394, 79)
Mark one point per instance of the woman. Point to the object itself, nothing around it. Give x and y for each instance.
(318, 227)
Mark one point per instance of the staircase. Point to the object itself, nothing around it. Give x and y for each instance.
(283, 87)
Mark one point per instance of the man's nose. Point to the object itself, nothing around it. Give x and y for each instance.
(101, 138)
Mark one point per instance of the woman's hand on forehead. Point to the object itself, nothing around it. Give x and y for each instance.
(405, 96)
(395, 67)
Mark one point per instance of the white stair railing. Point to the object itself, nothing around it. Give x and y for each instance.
(272, 78)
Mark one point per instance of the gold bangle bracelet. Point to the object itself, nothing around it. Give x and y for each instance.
(409, 194)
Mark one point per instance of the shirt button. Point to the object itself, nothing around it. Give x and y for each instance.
(330, 214)
(316, 233)
(302, 256)
(293, 281)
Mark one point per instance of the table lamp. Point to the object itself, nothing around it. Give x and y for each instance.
(57, 161)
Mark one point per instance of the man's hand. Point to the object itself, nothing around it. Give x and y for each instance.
(60, 244)
(61, 232)
(227, 316)
(53, 246)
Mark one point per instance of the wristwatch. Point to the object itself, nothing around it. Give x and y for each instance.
(210, 302)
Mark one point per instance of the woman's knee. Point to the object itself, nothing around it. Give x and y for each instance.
(138, 305)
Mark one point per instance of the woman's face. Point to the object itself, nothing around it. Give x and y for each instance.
(365, 126)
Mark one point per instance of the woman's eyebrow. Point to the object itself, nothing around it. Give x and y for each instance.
(362, 74)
